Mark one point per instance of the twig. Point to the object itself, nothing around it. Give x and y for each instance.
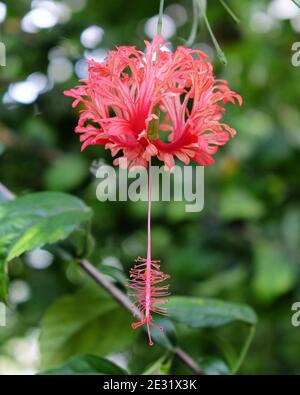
(188, 361)
(296, 3)
(100, 279)
(118, 295)
(6, 192)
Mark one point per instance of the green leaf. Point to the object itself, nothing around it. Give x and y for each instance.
(160, 367)
(291, 227)
(88, 321)
(240, 204)
(39, 132)
(208, 313)
(227, 349)
(34, 220)
(167, 338)
(82, 241)
(214, 366)
(116, 275)
(3, 282)
(212, 313)
(274, 272)
(66, 173)
(86, 364)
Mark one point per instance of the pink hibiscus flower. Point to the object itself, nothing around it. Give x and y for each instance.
(159, 103)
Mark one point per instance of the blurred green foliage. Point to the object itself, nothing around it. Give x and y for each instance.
(244, 247)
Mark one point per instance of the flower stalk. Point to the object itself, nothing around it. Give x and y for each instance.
(160, 17)
(220, 53)
(230, 12)
(146, 278)
(193, 34)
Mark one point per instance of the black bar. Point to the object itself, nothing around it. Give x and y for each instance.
(132, 384)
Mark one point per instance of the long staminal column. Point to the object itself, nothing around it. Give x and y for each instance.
(146, 278)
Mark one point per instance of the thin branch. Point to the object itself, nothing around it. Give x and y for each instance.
(296, 3)
(118, 295)
(188, 361)
(6, 192)
(100, 279)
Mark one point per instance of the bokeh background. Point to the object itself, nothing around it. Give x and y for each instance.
(243, 247)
